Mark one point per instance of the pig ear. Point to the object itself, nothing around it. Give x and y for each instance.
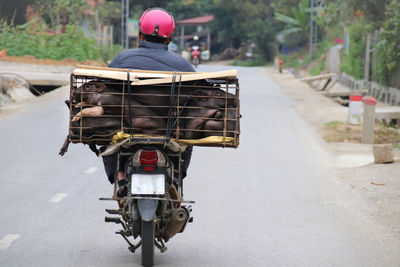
(100, 87)
(85, 87)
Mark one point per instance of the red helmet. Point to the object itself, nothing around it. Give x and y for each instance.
(157, 22)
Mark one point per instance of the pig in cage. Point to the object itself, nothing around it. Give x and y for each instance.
(185, 111)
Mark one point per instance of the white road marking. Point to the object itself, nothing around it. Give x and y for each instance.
(91, 170)
(57, 197)
(6, 241)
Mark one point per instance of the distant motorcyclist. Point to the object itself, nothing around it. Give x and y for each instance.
(156, 26)
(195, 51)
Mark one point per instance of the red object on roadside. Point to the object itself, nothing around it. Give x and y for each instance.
(338, 41)
(280, 62)
(356, 98)
(370, 101)
(3, 53)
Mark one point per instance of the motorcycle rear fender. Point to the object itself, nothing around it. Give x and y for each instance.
(147, 209)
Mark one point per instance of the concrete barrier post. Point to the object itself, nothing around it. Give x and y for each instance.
(355, 110)
(368, 121)
(383, 153)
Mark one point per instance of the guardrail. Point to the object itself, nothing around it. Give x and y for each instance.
(387, 95)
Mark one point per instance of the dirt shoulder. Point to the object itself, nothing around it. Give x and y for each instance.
(378, 185)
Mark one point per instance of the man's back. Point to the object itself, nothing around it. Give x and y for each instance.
(151, 56)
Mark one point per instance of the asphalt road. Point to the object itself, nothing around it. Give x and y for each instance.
(272, 202)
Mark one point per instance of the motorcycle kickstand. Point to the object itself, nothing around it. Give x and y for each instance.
(132, 248)
(161, 246)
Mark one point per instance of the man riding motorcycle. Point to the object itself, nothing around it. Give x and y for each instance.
(195, 51)
(156, 26)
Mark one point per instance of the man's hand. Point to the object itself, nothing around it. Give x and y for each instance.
(92, 111)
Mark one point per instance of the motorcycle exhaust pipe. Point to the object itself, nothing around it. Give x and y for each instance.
(176, 223)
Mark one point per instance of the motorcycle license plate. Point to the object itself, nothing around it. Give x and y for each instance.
(148, 184)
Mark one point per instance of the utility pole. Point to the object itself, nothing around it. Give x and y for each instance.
(311, 41)
(315, 28)
(315, 6)
(123, 26)
(124, 23)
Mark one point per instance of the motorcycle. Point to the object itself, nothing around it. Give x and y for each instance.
(195, 55)
(152, 212)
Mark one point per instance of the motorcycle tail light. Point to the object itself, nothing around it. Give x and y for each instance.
(148, 159)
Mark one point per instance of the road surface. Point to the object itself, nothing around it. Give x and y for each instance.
(272, 202)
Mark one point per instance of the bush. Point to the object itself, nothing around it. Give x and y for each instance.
(353, 60)
(33, 39)
(388, 63)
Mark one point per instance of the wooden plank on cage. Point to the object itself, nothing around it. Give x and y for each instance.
(229, 74)
(159, 78)
(132, 70)
(118, 75)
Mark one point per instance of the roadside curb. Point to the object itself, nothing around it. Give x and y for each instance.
(318, 110)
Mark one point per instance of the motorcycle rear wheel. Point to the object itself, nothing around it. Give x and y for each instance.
(147, 234)
(195, 62)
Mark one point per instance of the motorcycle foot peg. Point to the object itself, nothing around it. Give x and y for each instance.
(112, 219)
(110, 211)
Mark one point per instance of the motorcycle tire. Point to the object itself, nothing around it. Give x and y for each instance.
(147, 234)
(195, 63)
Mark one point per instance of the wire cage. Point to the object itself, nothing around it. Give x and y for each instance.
(188, 112)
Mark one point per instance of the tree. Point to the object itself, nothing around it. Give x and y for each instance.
(239, 22)
(299, 22)
(53, 10)
(14, 11)
(183, 9)
(389, 47)
(374, 10)
(285, 6)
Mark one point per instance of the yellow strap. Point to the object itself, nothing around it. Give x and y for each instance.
(207, 140)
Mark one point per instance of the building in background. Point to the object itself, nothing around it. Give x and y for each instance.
(195, 27)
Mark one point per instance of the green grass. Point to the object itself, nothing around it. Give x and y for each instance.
(292, 60)
(255, 62)
(333, 124)
(316, 70)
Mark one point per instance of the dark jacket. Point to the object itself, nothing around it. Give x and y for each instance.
(151, 56)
